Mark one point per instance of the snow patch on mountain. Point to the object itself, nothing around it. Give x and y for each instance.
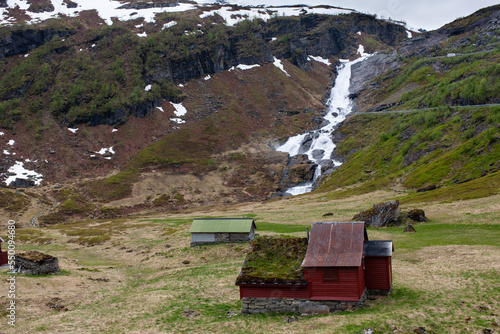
(18, 171)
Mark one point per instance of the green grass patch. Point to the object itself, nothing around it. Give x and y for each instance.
(13, 202)
(417, 150)
(482, 187)
(114, 187)
(279, 228)
(428, 235)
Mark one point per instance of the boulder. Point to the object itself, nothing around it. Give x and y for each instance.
(409, 229)
(417, 215)
(381, 215)
(22, 183)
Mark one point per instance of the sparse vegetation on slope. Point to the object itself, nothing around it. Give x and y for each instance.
(437, 147)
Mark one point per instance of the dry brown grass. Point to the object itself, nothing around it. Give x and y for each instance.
(148, 286)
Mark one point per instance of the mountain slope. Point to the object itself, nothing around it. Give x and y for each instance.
(189, 116)
(91, 99)
(447, 142)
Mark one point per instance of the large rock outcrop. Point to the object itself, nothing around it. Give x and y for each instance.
(381, 215)
(389, 214)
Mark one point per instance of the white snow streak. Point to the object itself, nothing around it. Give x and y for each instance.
(361, 51)
(320, 60)
(178, 120)
(243, 67)
(103, 151)
(180, 110)
(279, 65)
(169, 25)
(247, 67)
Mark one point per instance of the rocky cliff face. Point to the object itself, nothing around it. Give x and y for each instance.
(21, 41)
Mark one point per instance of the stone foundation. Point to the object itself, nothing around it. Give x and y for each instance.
(292, 305)
(35, 263)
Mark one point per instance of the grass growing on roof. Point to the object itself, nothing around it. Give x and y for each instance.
(274, 260)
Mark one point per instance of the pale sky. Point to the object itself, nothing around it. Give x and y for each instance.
(426, 14)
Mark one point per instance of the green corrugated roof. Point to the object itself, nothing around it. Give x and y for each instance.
(222, 225)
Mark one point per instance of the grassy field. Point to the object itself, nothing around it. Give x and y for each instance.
(139, 275)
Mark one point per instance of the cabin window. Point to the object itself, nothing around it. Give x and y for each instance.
(330, 274)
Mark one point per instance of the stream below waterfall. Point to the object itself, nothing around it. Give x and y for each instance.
(318, 144)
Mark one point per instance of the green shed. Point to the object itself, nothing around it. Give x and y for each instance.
(216, 230)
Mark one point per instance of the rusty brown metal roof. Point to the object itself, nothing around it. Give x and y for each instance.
(335, 245)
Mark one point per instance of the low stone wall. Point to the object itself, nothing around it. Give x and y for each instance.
(292, 305)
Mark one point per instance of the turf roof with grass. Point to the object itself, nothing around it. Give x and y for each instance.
(274, 260)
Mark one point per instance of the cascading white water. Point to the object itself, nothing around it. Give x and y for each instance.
(322, 146)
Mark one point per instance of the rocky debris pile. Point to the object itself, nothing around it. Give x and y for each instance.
(56, 304)
(188, 313)
(35, 263)
(22, 183)
(389, 214)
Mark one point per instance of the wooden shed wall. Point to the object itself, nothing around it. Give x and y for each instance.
(3, 258)
(378, 272)
(273, 291)
(349, 285)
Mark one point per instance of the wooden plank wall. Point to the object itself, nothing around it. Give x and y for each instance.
(258, 291)
(347, 287)
(378, 272)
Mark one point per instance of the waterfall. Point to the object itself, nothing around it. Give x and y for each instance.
(318, 144)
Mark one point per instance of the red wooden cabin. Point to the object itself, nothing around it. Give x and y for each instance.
(333, 265)
(339, 265)
(3, 255)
